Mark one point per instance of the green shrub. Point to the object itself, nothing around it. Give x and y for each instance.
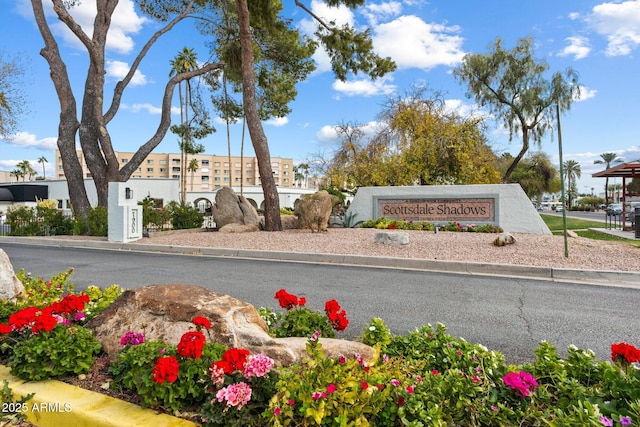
(23, 221)
(287, 211)
(100, 299)
(98, 221)
(39, 292)
(377, 333)
(49, 354)
(302, 322)
(54, 221)
(185, 217)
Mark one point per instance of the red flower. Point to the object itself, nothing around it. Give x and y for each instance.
(625, 351)
(331, 306)
(5, 329)
(24, 317)
(286, 300)
(364, 385)
(166, 369)
(202, 322)
(225, 366)
(191, 344)
(232, 360)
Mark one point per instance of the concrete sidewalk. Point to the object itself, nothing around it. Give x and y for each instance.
(595, 277)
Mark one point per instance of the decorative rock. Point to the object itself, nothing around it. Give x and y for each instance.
(233, 209)
(10, 286)
(504, 239)
(392, 238)
(239, 228)
(167, 311)
(289, 222)
(314, 210)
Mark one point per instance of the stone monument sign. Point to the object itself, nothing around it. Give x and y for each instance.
(504, 205)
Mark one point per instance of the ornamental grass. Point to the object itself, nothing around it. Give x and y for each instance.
(423, 378)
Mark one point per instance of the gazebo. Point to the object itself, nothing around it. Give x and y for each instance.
(625, 171)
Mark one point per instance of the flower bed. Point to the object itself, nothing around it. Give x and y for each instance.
(426, 377)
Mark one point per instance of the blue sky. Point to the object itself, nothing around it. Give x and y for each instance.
(427, 39)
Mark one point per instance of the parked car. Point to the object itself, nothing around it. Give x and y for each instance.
(614, 209)
(559, 208)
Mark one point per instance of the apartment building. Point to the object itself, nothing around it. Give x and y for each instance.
(204, 171)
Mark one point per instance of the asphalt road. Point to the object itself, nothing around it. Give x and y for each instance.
(510, 315)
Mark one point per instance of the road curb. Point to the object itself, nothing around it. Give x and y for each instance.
(594, 277)
(58, 404)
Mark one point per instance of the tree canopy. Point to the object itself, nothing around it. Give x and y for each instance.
(264, 51)
(535, 173)
(13, 104)
(513, 86)
(417, 142)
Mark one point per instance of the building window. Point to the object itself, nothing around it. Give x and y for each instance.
(175, 162)
(238, 179)
(248, 172)
(175, 169)
(205, 178)
(217, 171)
(204, 162)
(238, 172)
(149, 169)
(249, 165)
(226, 163)
(286, 165)
(204, 169)
(226, 179)
(286, 181)
(163, 162)
(226, 171)
(237, 164)
(125, 160)
(275, 164)
(175, 176)
(163, 170)
(216, 178)
(285, 173)
(149, 162)
(216, 163)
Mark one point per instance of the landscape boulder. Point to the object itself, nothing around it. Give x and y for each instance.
(165, 312)
(392, 238)
(229, 208)
(504, 239)
(10, 286)
(314, 210)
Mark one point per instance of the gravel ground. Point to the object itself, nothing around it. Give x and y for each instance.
(529, 249)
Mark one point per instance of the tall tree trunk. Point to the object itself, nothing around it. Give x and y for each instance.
(525, 146)
(259, 140)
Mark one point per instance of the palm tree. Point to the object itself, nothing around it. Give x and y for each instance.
(303, 168)
(607, 159)
(17, 173)
(193, 167)
(572, 171)
(4, 104)
(43, 160)
(26, 169)
(185, 61)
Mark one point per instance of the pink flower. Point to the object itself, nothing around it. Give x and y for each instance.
(410, 389)
(435, 372)
(606, 421)
(276, 411)
(315, 336)
(257, 365)
(331, 388)
(521, 381)
(395, 382)
(318, 395)
(237, 395)
(342, 360)
(475, 379)
(217, 375)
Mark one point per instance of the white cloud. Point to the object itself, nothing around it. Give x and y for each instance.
(574, 15)
(277, 121)
(124, 23)
(29, 140)
(151, 109)
(119, 70)
(364, 87)
(578, 47)
(465, 110)
(375, 12)
(619, 23)
(585, 93)
(328, 134)
(413, 43)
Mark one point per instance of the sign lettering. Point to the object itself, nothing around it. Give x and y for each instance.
(433, 210)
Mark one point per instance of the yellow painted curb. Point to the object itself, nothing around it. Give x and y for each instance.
(58, 404)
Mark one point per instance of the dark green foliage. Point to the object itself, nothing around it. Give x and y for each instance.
(98, 221)
(62, 351)
(185, 217)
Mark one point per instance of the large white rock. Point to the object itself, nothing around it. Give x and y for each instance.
(10, 286)
(392, 238)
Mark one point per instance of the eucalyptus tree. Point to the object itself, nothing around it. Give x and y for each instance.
(13, 103)
(91, 126)
(573, 173)
(513, 86)
(607, 159)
